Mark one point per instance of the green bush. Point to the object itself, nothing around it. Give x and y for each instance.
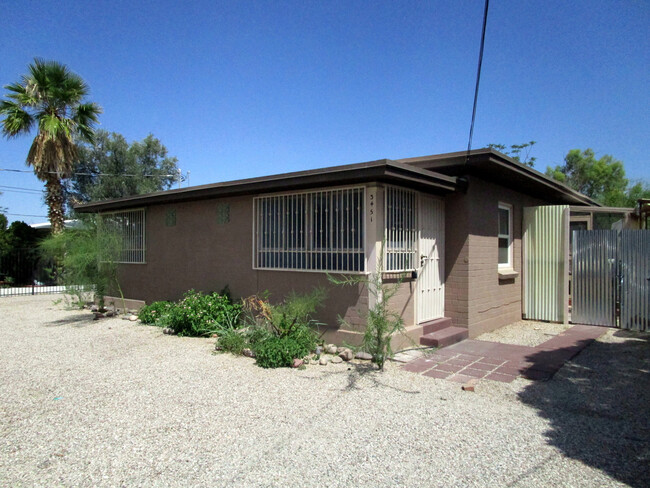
(156, 313)
(232, 341)
(279, 352)
(199, 315)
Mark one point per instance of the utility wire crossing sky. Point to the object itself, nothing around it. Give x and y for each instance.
(248, 88)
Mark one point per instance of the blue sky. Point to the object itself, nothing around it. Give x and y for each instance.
(237, 89)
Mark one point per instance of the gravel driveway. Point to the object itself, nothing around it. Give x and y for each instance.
(113, 403)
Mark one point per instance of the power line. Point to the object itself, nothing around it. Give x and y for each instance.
(27, 215)
(90, 174)
(10, 188)
(478, 79)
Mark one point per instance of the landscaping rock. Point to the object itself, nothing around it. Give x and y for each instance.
(346, 355)
(330, 349)
(98, 316)
(336, 360)
(297, 363)
(319, 350)
(133, 318)
(168, 331)
(94, 308)
(249, 353)
(323, 361)
(110, 313)
(363, 355)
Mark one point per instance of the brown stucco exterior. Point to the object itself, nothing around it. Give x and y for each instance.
(205, 251)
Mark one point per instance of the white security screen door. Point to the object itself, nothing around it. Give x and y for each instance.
(431, 275)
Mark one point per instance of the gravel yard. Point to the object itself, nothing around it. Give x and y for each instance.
(113, 403)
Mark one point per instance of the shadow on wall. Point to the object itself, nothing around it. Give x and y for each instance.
(597, 407)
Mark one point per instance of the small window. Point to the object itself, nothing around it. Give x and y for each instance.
(505, 236)
(129, 225)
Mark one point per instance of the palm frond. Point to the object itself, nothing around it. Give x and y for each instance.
(17, 121)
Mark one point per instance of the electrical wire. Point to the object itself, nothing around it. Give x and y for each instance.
(90, 174)
(478, 79)
(27, 215)
(23, 190)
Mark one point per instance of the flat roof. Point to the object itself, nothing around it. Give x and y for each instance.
(491, 165)
(440, 174)
(383, 170)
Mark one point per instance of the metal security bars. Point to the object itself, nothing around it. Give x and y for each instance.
(400, 215)
(129, 225)
(317, 230)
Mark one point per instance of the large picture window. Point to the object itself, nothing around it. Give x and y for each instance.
(318, 230)
(129, 226)
(401, 229)
(505, 236)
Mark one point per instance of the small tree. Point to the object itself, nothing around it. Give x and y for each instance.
(382, 323)
(88, 257)
(518, 152)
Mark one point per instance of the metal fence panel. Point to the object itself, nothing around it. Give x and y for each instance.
(594, 277)
(635, 276)
(544, 238)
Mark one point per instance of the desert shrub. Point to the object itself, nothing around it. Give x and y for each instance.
(232, 341)
(382, 322)
(156, 313)
(198, 314)
(279, 352)
(285, 329)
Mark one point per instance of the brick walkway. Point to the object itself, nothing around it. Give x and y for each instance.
(504, 362)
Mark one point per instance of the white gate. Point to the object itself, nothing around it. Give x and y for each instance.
(431, 288)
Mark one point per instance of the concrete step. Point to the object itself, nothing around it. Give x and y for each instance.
(444, 337)
(436, 324)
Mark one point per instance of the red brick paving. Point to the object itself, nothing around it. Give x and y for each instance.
(504, 362)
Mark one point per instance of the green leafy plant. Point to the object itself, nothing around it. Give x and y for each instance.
(200, 315)
(155, 313)
(382, 323)
(87, 259)
(232, 341)
(279, 333)
(279, 352)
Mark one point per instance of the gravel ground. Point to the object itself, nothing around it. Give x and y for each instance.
(113, 403)
(524, 333)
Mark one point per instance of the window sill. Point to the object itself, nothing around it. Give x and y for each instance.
(507, 274)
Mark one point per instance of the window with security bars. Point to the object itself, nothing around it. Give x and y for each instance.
(400, 215)
(129, 225)
(317, 230)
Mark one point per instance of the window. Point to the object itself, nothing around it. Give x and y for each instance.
(505, 235)
(401, 229)
(318, 230)
(130, 226)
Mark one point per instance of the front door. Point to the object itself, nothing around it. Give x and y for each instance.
(431, 275)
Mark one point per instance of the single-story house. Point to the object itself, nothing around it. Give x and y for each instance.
(449, 227)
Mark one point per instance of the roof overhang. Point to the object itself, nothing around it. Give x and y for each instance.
(381, 171)
(491, 165)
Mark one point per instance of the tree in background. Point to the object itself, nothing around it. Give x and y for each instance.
(110, 167)
(51, 98)
(518, 152)
(601, 179)
(89, 256)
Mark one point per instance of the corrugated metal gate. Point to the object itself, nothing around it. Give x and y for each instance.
(611, 278)
(545, 266)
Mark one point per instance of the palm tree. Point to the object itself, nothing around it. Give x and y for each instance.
(51, 97)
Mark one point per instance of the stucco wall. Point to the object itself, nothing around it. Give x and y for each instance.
(204, 253)
(491, 302)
